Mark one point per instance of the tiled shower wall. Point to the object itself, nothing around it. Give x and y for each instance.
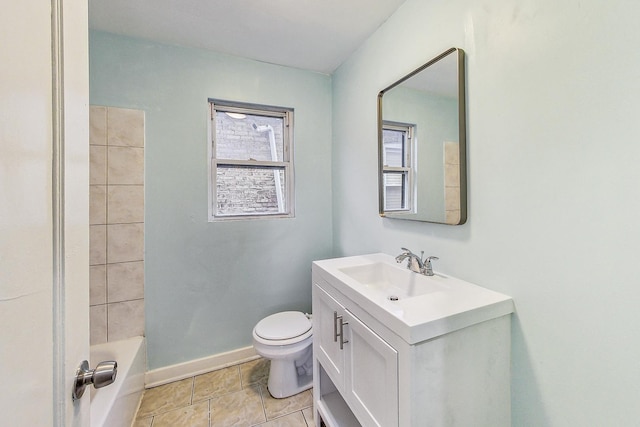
(452, 182)
(116, 216)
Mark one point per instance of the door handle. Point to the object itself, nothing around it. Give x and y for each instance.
(103, 375)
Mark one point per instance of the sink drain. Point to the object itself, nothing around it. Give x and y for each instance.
(393, 298)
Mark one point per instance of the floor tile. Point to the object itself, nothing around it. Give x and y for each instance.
(143, 422)
(292, 420)
(275, 408)
(236, 396)
(239, 409)
(165, 398)
(196, 415)
(216, 383)
(256, 371)
(308, 416)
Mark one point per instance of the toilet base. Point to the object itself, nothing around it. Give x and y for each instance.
(284, 380)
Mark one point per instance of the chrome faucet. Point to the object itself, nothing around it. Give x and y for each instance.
(415, 262)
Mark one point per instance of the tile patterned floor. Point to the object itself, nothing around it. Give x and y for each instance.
(233, 396)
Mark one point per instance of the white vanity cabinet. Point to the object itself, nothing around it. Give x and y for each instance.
(441, 358)
(357, 364)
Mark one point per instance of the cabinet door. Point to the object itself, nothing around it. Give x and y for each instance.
(371, 384)
(326, 349)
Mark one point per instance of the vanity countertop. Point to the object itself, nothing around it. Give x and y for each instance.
(414, 306)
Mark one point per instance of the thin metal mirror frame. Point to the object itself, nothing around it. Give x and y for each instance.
(462, 132)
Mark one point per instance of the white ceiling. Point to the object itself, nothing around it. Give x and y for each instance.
(309, 34)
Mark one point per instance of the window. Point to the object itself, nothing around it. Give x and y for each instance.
(397, 144)
(251, 151)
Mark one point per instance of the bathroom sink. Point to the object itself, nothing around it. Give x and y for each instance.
(394, 282)
(414, 306)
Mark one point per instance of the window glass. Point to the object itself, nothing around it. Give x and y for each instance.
(250, 138)
(251, 161)
(396, 191)
(397, 140)
(249, 191)
(394, 147)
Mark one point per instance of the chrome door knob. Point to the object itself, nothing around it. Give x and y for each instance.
(103, 375)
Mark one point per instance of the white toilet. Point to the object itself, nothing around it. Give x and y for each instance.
(286, 339)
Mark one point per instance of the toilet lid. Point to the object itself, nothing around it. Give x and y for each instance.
(281, 326)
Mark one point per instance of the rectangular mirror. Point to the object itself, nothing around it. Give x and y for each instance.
(422, 143)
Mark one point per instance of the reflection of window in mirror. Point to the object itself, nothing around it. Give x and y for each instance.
(397, 144)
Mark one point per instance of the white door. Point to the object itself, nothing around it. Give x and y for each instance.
(44, 228)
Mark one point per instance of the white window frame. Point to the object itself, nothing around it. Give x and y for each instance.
(222, 106)
(407, 168)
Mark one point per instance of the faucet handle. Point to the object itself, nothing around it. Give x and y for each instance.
(427, 268)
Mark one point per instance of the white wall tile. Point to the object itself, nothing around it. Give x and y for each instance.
(97, 284)
(125, 127)
(452, 153)
(125, 281)
(451, 175)
(98, 324)
(125, 242)
(97, 244)
(97, 125)
(125, 166)
(97, 204)
(126, 319)
(452, 217)
(98, 165)
(125, 204)
(117, 199)
(452, 198)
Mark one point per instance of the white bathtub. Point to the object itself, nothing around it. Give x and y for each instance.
(116, 404)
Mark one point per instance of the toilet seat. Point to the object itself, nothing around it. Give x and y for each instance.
(283, 328)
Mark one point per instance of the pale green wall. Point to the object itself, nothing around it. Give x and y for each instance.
(553, 100)
(554, 186)
(207, 284)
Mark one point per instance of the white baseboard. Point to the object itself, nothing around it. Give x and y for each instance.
(191, 368)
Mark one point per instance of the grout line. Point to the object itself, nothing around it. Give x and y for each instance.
(264, 409)
(305, 417)
(154, 414)
(193, 389)
(242, 385)
(106, 213)
(106, 315)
